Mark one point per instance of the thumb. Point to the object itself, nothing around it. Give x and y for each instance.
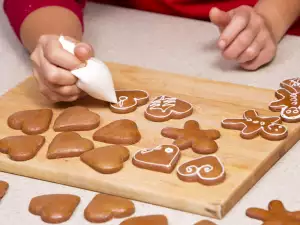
(83, 51)
(219, 18)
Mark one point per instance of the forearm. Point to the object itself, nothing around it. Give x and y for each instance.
(279, 15)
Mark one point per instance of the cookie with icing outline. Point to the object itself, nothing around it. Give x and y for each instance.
(164, 108)
(253, 125)
(146, 220)
(162, 158)
(207, 170)
(288, 104)
(3, 188)
(292, 85)
(129, 100)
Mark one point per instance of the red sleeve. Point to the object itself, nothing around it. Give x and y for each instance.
(18, 10)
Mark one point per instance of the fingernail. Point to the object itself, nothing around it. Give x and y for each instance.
(222, 44)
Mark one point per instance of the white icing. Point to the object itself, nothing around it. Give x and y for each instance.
(169, 150)
(121, 101)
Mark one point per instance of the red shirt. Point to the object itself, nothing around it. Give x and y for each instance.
(17, 10)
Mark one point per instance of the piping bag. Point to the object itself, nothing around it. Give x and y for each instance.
(94, 78)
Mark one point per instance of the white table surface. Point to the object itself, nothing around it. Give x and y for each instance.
(169, 44)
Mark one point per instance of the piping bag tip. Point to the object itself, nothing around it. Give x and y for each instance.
(95, 78)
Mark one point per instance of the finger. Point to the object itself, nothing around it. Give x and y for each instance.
(219, 18)
(83, 51)
(67, 90)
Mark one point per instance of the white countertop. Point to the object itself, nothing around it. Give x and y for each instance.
(169, 44)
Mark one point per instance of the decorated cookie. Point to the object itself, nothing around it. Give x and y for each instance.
(129, 100)
(146, 220)
(3, 188)
(292, 85)
(207, 170)
(253, 125)
(192, 136)
(76, 118)
(288, 104)
(205, 222)
(68, 144)
(21, 148)
(120, 132)
(107, 160)
(162, 158)
(56, 208)
(106, 207)
(276, 214)
(31, 122)
(164, 108)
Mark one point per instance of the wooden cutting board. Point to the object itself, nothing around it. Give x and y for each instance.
(246, 161)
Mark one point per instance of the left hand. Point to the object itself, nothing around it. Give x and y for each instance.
(245, 37)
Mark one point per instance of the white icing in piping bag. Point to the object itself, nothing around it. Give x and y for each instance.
(95, 78)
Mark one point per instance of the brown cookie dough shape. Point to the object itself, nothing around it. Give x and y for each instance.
(21, 148)
(192, 136)
(129, 100)
(205, 222)
(164, 108)
(54, 208)
(76, 118)
(106, 160)
(162, 158)
(31, 122)
(146, 220)
(3, 188)
(68, 144)
(120, 132)
(276, 214)
(292, 85)
(106, 207)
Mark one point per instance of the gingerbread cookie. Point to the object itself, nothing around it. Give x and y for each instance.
(276, 214)
(31, 122)
(21, 148)
(106, 207)
(253, 125)
(120, 132)
(76, 118)
(292, 85)
(3, 188)
(162, 158)
(192, 136)
(146, 220)
(207, 170)
(205, 222)
(107, 160)
(164, 108)
(68, 144)
(56, 208)
(129, 100)
(288, 104)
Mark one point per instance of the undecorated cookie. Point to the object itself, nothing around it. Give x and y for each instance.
(120, 132)
(192, 136)
(205, 222)
(106, 207)
(31, 122)
(68, 144)
(76, 118)
(162, 158)
(21, 148)
(56, 208)
(106, 160)
(252, 125)
(164, 108)
(129, 100)
(146, 220)
(3, 188)
(207, 170)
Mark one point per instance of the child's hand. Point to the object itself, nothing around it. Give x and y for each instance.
(52, 65)
(245, 37)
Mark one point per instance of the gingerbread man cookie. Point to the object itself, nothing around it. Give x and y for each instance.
(207, 170)
(292, 85)
(276, 214)
(162, 158)
(146, 220)
(164, 108)
(191, 136)
(288, 104)
(3, 188)
(253, 125)
(129, 100)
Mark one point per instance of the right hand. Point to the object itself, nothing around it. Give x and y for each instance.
(52, 65)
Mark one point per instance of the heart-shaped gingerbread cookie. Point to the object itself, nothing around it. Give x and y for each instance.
(129, 100)
(106, 160)
(68, 144)
(76, 118)
(120, 132)
(106, 207)
(31, 121)
(21, 148)
(146, 220)
(162, 158)
(3, 188)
